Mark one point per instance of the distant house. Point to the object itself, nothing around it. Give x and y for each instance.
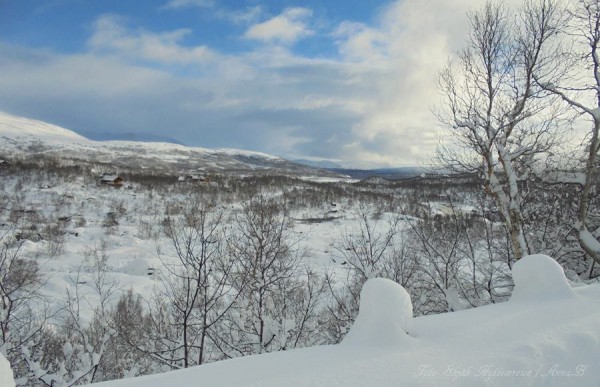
(114, 180)
(193, 179)
(200, 179)
(4, 164)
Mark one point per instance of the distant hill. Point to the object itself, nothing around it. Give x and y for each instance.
(386, 173)
(136, 137)
(327, 164)
(23, 137)
(361, 174)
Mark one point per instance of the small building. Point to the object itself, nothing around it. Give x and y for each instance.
(198, 179)
(193, 179)
(113, 180)
(4, 164)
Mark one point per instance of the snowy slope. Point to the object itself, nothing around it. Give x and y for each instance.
(547, 336)
(22, 136)
(17, 132)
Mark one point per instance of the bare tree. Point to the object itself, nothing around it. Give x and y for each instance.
(82, 342)
(366, 248)
(196, 287)
(492, 105)
(372, 248)
(573, 74)
(276, 309)
(131, 322)
(19, 281)
(459, 267)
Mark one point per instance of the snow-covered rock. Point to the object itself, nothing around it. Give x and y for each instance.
(538, 277)
(6, 374)
(385, 315)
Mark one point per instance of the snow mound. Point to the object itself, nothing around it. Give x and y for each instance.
(539, 277)
(385, 315)
(6, 374)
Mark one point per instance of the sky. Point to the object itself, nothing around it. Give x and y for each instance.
(350, 82)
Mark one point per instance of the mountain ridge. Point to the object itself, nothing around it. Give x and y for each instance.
(130, 136)
(21, 136)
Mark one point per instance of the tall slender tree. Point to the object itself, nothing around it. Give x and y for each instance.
(492, 105)
(573, 74)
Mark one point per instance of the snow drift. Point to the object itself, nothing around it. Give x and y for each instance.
(385, 315)
(6, 374)
(538, 277)
(552, 340)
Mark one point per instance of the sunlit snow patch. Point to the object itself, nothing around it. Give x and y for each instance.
(385, 315)
(539, 277)
(6, 374)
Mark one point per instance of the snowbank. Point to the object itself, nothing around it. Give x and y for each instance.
(526, 343)
(539, 277)
(385, 315)
(6, 374)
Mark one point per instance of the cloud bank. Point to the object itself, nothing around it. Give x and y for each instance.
(367, 104)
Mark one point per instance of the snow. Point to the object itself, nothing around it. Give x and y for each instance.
(539, 341)
(6, 375)
(109, 178)
(589, 240)
(26, 128)
(239, 152)
(538, 277)
(548, 334)
(20, 135)
(385, 315)
(565, 177)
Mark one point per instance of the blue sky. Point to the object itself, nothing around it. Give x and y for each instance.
(352, 82)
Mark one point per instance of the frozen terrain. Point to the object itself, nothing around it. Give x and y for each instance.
(22, 136)
(545, 337)
(63, 218)
(6, 375)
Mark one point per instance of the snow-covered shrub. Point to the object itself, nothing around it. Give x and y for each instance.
(539, 277)
(385, 315)
(54, 236)
(459, 264)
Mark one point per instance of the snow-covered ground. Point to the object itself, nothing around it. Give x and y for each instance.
(6, 374)
(548, 335)
(136, 247)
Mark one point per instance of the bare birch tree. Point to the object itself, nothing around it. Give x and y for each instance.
(492, 105)
(277, 308)
(573, 74)
(196, 292)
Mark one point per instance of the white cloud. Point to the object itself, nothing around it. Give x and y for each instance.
(179, 4)
(288, 27)
(406, 47)
(369, 107)
(111, 36)
(248, 15)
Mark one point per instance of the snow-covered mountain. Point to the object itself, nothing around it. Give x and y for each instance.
(106, 136)
(22, 136)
